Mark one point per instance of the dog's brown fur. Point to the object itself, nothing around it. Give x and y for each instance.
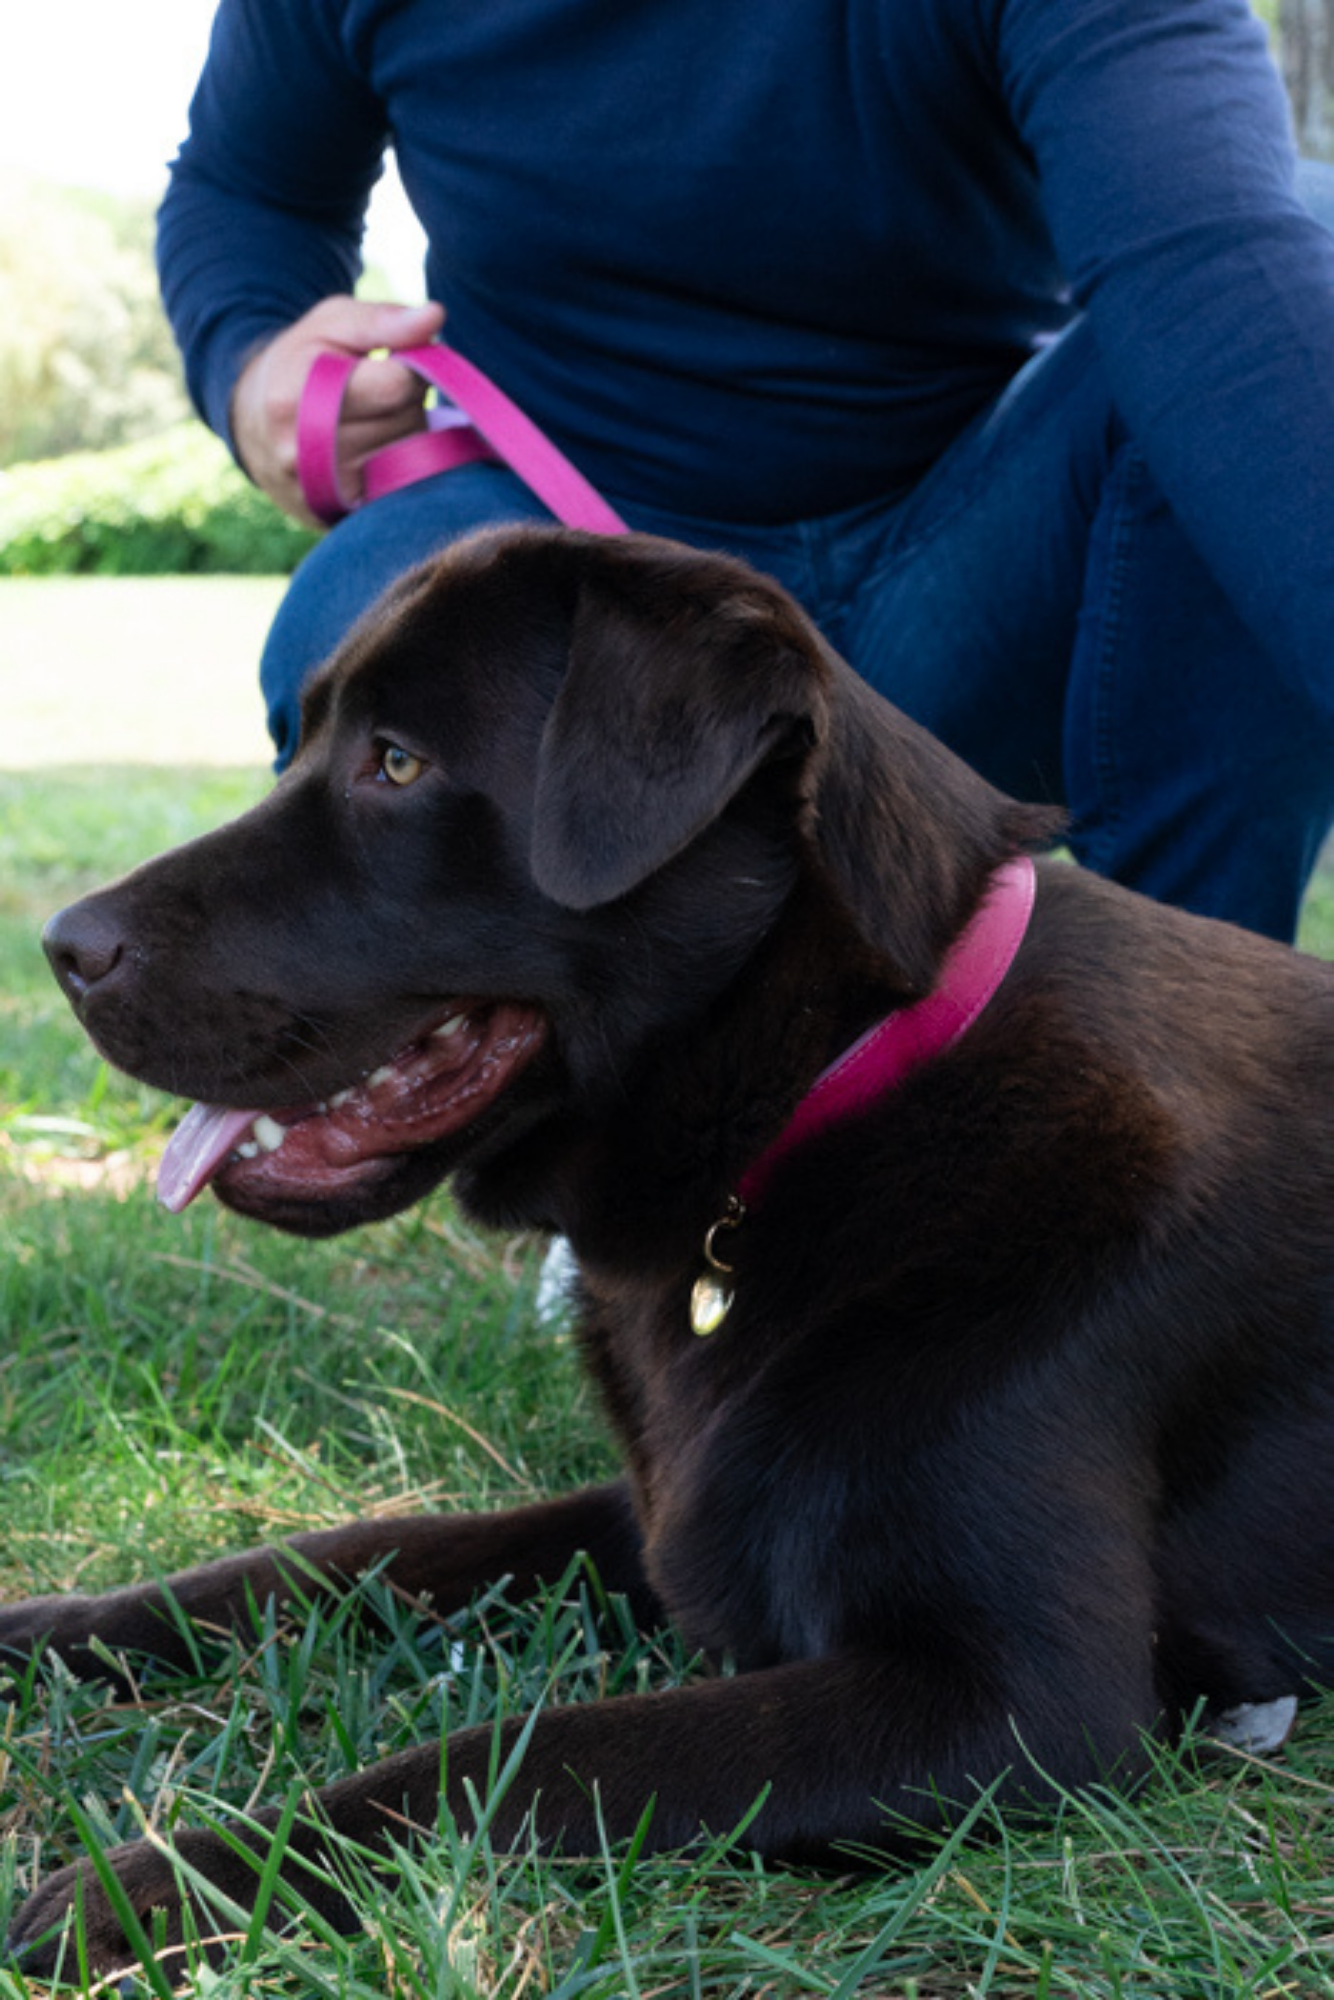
(1019, 1439)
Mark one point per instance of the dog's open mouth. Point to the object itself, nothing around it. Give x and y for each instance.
(435, 1087)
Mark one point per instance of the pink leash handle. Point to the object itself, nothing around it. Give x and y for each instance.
(492, 428)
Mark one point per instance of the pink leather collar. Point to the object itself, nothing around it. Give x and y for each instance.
(972, 969)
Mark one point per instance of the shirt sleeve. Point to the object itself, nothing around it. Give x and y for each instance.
(266, 204)
(1162, 144)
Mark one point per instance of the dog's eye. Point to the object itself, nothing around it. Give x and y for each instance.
(399, 765)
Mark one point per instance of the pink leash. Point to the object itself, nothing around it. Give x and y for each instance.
(477, 421)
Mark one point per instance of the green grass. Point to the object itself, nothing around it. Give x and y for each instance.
(171, 1387)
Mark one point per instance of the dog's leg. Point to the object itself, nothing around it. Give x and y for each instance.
(843, 1747)
(441, 1559)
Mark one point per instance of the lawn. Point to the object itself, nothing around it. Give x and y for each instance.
(172, 1387)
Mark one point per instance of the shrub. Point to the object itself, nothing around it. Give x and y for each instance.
(86, 356)
(169, 505)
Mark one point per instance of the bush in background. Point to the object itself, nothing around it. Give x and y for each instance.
(172, 504)
(86, 356)
(102, 470)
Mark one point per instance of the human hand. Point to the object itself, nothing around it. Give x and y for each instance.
(383, 401)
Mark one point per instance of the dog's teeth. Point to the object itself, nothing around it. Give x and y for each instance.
(337, 1103)
(247, 1150)
(379, 1076)
(449, 1027)
(269, 1134)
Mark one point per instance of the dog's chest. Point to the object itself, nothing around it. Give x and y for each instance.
(659, 1384)
(714, 1486)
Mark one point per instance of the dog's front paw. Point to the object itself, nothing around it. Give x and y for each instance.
(168, 1890)
(42, 1940)
(36, 1623)
(92, 1633)
(68, 1626)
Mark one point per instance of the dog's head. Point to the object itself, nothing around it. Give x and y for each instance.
(552, 796)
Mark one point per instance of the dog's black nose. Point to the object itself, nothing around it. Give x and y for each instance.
(83, 944)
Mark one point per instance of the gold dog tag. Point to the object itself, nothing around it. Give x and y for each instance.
(710, 1303)
(711, 1296)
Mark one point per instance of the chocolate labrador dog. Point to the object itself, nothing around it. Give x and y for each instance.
(956, 1231)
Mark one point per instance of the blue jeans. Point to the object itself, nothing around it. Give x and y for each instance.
(1032, 601)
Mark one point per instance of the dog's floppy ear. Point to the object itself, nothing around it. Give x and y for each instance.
(685, 675)
(907, 834)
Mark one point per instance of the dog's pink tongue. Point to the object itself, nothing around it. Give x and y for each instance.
(196, 1149)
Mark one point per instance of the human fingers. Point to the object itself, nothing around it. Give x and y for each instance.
(268, 391)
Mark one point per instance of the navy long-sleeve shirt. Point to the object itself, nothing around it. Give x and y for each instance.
(764, 259)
